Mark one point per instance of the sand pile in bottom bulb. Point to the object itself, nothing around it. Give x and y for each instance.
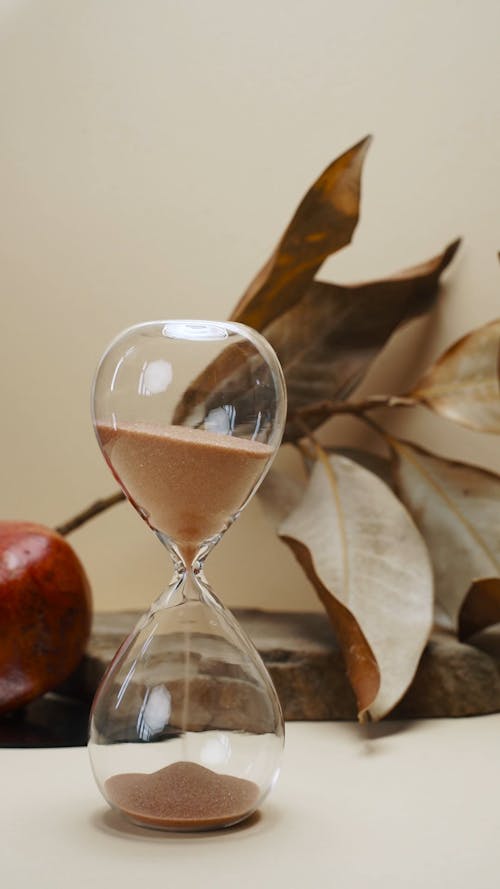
(183, 795)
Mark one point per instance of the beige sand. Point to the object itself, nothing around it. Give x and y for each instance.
(182, 796)
(186, 482)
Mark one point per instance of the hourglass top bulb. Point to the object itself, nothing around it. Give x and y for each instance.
(189, 479)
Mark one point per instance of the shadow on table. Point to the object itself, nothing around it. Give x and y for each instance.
(53, 720)
(374, 731)
(112, 823)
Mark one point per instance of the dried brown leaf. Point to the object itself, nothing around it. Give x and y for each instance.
(370, 568)
(481, 607)
(463, 384)
(323, 223)
(380, 466)
(361, 664)
(328, 340)
(457, 508)
(326, 335)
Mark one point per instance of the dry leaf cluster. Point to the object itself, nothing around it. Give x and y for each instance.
(383, 558)
(389, 545)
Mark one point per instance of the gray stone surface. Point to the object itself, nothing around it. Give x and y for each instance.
(306, 665)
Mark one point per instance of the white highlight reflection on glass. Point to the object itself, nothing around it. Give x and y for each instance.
(155, 377)
(194, 330)
(155, 712)
(220, 420)
(216, 751)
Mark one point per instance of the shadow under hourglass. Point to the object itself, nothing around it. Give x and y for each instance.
(113, 824)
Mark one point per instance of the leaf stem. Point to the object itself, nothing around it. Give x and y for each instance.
(306, 448)
(373, 402)
(94, 509)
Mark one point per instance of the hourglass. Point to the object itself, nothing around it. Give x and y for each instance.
(186, 728)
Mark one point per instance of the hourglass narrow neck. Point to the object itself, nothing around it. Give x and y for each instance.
(188, 581)
(188, 559)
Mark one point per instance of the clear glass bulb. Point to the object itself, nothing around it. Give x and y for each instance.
(186, 727)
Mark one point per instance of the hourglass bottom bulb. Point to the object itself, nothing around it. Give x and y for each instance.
(183, 796)
(186, 731)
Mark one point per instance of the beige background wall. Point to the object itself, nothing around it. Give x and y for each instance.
(150, 155)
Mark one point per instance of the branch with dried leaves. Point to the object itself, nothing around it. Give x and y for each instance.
(90, 512)
(384, 542)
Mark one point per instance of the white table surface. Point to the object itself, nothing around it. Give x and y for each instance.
(397, 805)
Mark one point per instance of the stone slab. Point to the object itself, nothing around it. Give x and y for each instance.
(304, 660)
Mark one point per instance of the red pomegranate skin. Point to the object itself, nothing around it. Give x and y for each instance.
(45, 612)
